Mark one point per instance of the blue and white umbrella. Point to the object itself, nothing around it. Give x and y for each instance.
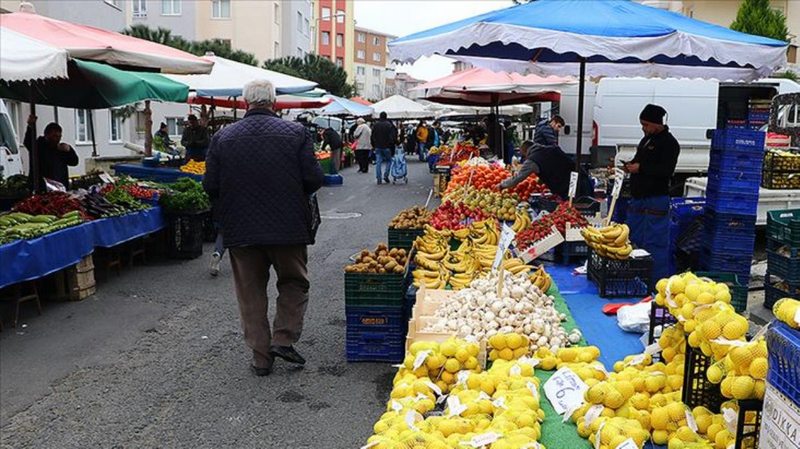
(344, 107)
(597, 38)
(613, 37)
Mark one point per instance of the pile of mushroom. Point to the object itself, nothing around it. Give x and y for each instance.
(478, 312)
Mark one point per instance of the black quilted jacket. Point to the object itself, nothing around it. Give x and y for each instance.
(259, 173)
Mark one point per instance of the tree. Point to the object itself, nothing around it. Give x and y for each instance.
(757, 17)
(219, 47)
(316, 68)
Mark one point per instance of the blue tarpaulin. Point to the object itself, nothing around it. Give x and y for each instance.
(110, 232)
(157, 174)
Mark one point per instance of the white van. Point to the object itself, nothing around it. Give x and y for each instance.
(693, 106)
(10, 160)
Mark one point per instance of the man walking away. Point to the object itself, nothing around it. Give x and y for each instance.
(363, 137)
(422, 141)
(384, 139)
(260, 172)
(195, 140)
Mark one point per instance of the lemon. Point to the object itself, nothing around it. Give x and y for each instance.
(596, 394)
(758, 368)
(434, 361)
(659, 419)
(725, 387)
(735, 329)
(660, 437)
(471, 363)
(723, 296)
(447, 377)
(714, 374)
(452, 366)
(449, 348)
(676, 284)
(506, 354)
(487, 386)
(706, 298)
(462, 355)
(677, 411)
(520, 352)
(703, 422)
(742, 387)
(675, 443)
(514, 341)
(498, 341)
(711, 330)
(721, 440)
(759, 389)
(661, 286)
(741, 357)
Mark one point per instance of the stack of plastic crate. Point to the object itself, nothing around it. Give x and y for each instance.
(377, 320)
(758, 114)
(682, 214)
(734, 176)
(783, 256)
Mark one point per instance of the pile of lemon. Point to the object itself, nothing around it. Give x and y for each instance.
(788, 311)
(742, 372)
(509, 346)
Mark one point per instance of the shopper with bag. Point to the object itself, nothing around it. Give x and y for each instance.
(260, 173)
(363, 138)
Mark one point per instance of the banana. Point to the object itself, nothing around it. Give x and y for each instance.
(622, 239)
(461, 234)
(439, 255)
(426, 263)
(611, 232)
(519, 269)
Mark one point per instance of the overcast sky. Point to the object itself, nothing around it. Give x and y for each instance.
(402, 17)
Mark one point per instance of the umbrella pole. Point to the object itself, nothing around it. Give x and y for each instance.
(581, 95)
(148, 129)
(91, 130)
(34, 150)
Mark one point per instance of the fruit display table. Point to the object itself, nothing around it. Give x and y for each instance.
(157, 174)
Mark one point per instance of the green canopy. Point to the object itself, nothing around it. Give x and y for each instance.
(92, 85)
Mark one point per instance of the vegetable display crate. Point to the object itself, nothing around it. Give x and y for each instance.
(586, 205)
(570, 251)
(185, 234)
(748, 423)
(403, 238)
(785, 266)
(784, 226)
(737, 288)
(739, 140)
(780, 171)
(776, 288)
(621, 278)
(697, 389)
(369, 289)
(660, 319)
(784, 360)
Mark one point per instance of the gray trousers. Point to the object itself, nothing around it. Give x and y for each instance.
(251, 265)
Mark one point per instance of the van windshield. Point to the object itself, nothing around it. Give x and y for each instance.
(8, 138)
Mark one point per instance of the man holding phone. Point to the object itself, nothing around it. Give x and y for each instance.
(651, 171)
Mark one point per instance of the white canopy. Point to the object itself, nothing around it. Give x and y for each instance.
(24, 58)
(400, 107)
(227, 79)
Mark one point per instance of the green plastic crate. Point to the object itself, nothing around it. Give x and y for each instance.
(368, 289)
(403, 238)
(738, 291)
(784, 226)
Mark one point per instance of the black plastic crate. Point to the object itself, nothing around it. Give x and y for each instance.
(370, 289)
(697, 389)
(780, 172)
(748, 423)
(776, 288)
(185, 235)
(783, 266)
(570, 251)
(660, 319)
(621, 278)
(784, 226)
(737, 288)
(403, 238)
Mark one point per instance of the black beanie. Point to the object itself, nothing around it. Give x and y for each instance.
(653, 113)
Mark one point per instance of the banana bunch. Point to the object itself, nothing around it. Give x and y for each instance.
(610, 241)
(541, 279)
(481, 233)
(432, 248)
(521, 221)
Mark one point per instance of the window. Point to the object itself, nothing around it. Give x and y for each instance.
(360, 70)
(326, 38)
(221, 9)
(326, 14)
(339, 40)
(376, 73)
(277, 50)
(376, 40)
(277, 11)
(339, 62)
(376, 57)
(299, 21)
(376, 91)
(170, 7)
(362, 38)
(308, 26)
(82, 126)
(360, 54)
(360, 87)
(300, 52)
(339, 16)
(139, 8)
(115, 127)
(174, 126)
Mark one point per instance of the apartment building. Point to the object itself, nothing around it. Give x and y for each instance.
(334, 24)
(403, 84)
(296, 30)
(371, 62)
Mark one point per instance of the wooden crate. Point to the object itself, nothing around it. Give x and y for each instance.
(74, 283)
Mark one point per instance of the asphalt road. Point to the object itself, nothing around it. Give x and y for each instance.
(156, 358)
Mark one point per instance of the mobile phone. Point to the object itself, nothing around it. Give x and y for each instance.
(623, 162)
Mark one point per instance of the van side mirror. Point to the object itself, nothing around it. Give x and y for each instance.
(709, 133)
(566, 130)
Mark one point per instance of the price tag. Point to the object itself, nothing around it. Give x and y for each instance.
(573, 184)
(483, 396)
(690, 421)
(396, 406)
(565, 389)
(655, 348)
(420, 359)
(592, 414)
(533, 389)
(532, 361)
(515, 370)
(369, 445)
(412, 418)
(506, 237)
(731, 418)
(484, 439)
(597, 441)
(796, 317)
(619, 177)
(627, 444)
(500, 403)
(441, 399)
(461, 377)
(726, 342)
(105, 177)
(435, 388)
(454, 406)
(600, 367)
(636, 360)
(430, 195)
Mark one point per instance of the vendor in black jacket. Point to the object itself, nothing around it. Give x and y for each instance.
(651, 171)
(54, 155)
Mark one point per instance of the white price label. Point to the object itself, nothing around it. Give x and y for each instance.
(619, 178)
(105, 177)
(396, 406)
(627, 444)
(454, 406)
(461, 377)
(655, 348)
(412, 418)
(484, 439)
(435, 388)
(573, 184)
(597, 441)
(532, 361)
(600, 367)
(506, 237)
(500, 403)
(565, 389)
(636, 360)
(592, 414)
(369, 445)
(731, 417)
(420, 359)
(515, 370)
(441, 399)
(690, 421)
(483, 396)
(726, 342)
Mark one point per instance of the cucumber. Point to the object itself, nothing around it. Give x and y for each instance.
(42, 219)
(72, 214)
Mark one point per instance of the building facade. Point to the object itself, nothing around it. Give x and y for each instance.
(180, 17)
(403, 84)
(334, 24)
(371, 63)
(253, 26)
(296, 30)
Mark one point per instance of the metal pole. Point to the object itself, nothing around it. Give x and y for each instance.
(581, 95)
(34, 150)
(55, 114)
(91, 130)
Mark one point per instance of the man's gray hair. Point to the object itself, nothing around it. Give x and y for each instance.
(259, 93)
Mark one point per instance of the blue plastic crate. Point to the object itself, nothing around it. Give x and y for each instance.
(734, 243)
(738, 263)
(730, 223)
(783, 343)
(739, 139)
(386, 319)
(735, 182)
(375, 347)
(732, 159)
(728, 202)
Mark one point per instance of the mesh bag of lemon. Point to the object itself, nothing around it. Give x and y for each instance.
(742, 372)
(788, 311)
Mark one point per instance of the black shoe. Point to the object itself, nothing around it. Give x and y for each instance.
(287, 353)
(261, 372)
(386, 180)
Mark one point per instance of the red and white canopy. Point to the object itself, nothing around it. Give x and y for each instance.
(23, 58)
